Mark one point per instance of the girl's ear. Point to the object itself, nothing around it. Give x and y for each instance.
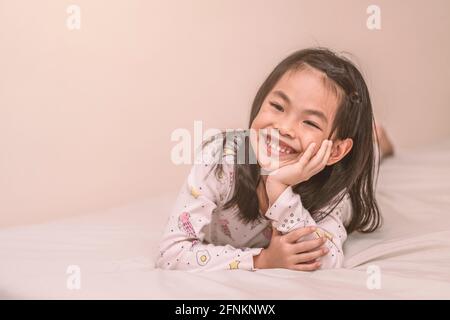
(339, 149)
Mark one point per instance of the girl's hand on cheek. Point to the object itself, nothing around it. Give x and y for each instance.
(303, 169)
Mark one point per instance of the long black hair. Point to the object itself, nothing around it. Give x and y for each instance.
(354, 173)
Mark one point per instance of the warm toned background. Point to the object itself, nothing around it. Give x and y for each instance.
(86, 116)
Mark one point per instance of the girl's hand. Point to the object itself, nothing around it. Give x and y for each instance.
(285, 252)
(304, 168)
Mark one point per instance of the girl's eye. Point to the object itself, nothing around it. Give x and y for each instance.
(276, 106)
(312, 124)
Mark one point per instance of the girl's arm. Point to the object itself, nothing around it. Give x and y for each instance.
(182, 246)
(287, 213)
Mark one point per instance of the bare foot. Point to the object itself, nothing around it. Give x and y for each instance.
(386, 146)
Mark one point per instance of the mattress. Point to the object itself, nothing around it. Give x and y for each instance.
(111, 253)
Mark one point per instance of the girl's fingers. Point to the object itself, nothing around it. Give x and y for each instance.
(293, 236)
(316, 159)
(307, 266)
(307, 257)
(312, 261)
(320, 155)
(321, 161)
(308, 245)
(306, 157)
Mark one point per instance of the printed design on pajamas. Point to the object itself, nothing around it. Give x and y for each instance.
(221, 179)
(185, 225)
(234, 264)
(194, 192)
(224, 227)
(220, 176)
(203, 257)
(321, 233)
(231, 178)
(225, 179)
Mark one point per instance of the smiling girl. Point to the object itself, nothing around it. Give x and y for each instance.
(311, 132)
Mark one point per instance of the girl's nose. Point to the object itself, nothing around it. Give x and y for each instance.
(287, 132)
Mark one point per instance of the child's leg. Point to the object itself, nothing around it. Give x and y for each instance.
(386, 145)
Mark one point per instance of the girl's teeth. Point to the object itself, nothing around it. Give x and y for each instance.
(283, 150)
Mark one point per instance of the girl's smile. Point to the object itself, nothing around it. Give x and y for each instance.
(278, 148)
(273, 151)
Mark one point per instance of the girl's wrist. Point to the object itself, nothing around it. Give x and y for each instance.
(258, 260)
(274, 189)
(272, 183)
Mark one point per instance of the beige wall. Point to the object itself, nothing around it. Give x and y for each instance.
(86, 116)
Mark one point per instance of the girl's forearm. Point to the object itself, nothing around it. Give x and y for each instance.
(274, 189)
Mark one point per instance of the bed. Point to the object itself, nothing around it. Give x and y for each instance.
(114, 250)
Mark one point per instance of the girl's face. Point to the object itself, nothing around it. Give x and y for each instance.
(301, 109)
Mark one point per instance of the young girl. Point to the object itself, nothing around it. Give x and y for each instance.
(311, 131)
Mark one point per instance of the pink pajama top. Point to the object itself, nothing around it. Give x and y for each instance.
(200, 235)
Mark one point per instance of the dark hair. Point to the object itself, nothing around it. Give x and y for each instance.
(354, 173)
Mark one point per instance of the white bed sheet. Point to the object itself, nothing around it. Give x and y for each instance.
(115, 250)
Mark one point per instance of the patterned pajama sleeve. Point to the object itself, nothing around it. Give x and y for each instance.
(287, 214)
(182, 246)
